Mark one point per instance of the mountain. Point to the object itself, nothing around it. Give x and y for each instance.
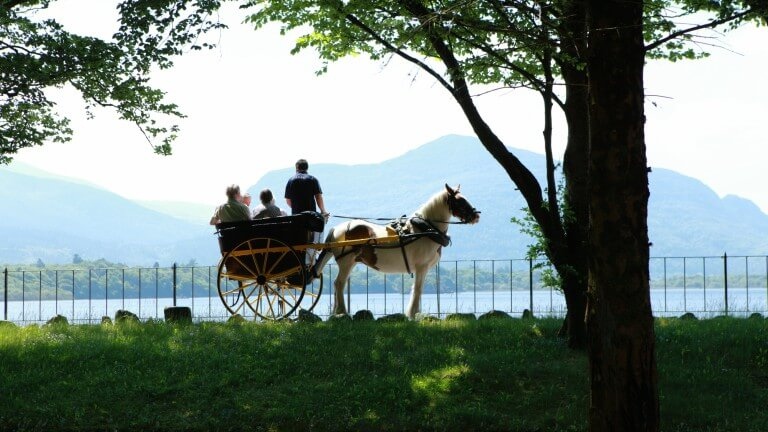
(53, 218)
(194, 213)
(685, 216)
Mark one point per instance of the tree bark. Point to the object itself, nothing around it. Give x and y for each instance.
(623, 376)
(570, 262)
(573, 35)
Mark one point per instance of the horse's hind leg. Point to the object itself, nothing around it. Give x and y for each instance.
(346, 265)
(414, 306)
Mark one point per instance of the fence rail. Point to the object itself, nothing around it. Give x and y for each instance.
(709, 285)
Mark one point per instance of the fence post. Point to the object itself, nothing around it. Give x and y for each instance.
(349, 295)
(725, 280)
(174, 284)
(665, 284)
(5, 294)
(530, 283)
(437, 288)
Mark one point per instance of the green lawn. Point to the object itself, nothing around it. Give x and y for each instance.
(485, 375)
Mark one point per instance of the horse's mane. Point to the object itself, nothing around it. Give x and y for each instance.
(436, 208)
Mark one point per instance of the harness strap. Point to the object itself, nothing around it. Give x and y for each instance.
(405, 257)
(430, 230)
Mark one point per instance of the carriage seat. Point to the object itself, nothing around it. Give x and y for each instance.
(292, 230)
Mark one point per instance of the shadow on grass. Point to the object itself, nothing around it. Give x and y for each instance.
(371, 376)
(484, 375)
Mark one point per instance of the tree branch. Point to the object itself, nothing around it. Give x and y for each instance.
(711, 24)
(354, 20)
(522, 177)
(537, 83)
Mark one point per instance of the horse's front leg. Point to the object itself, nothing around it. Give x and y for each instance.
(345, 268)
(414, 306)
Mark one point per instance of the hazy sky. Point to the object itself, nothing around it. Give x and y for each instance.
(253, 107)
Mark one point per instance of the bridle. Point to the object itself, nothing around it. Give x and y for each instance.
(461, 209)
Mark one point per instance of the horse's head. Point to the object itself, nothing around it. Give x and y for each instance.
(460, 207)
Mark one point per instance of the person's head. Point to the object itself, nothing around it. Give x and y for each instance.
(247, 199)
(266, 196)
(233, 192)
(302, 165)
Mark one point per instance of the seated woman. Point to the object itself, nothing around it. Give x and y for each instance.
(267, 208)
(233, 210)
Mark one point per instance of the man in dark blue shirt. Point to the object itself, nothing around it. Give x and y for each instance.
(303, 191)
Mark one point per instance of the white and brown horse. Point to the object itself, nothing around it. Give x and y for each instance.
(416, 256)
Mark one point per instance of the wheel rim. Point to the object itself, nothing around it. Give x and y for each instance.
(277, 274)
(232, 290)
(312, 293)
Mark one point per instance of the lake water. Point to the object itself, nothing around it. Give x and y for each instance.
(669, 302)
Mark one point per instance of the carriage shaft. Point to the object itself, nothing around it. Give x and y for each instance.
(320, 246)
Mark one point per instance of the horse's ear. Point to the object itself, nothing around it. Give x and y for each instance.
(451, 192)
(457, 188)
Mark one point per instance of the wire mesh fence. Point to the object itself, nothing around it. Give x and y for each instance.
(707, 286)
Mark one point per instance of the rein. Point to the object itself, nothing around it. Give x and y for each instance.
(368, 219)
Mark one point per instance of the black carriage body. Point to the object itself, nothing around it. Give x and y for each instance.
(258, 234)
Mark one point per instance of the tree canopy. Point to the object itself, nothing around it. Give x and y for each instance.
(471, 48)
(37, 54)
(494, 42)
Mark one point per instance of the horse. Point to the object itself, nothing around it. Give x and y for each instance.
(415, 253)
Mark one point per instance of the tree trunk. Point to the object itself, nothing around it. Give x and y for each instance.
(622, 362)
(570, 263)
(574, 327)
(576, 209)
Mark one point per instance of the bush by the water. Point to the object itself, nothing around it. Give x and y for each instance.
(496, 374)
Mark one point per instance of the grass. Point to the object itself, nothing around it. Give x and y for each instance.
(486, 375)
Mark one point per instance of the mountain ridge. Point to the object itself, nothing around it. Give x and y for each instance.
(52, 218)
(462, 160)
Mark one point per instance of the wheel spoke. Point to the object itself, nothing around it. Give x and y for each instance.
(278, 267)
(285, 273)
(284, 284)
(280, 296)
(228, 292)
(248, 296)
(270, 302)
(239, 288)
(245, 266)
(266, 257)
(292, 293)
(258, 303)
(253, 256)
(311, 294)
(280, 306)
(277, 261)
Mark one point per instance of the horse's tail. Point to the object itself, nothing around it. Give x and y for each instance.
(323, 258)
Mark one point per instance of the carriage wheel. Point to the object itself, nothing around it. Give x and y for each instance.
(232, 290)
(271, 274)
(312, 293)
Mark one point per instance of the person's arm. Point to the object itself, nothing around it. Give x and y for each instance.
(215, 218)
(288, 194)
(320, 203)
(319, 196)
